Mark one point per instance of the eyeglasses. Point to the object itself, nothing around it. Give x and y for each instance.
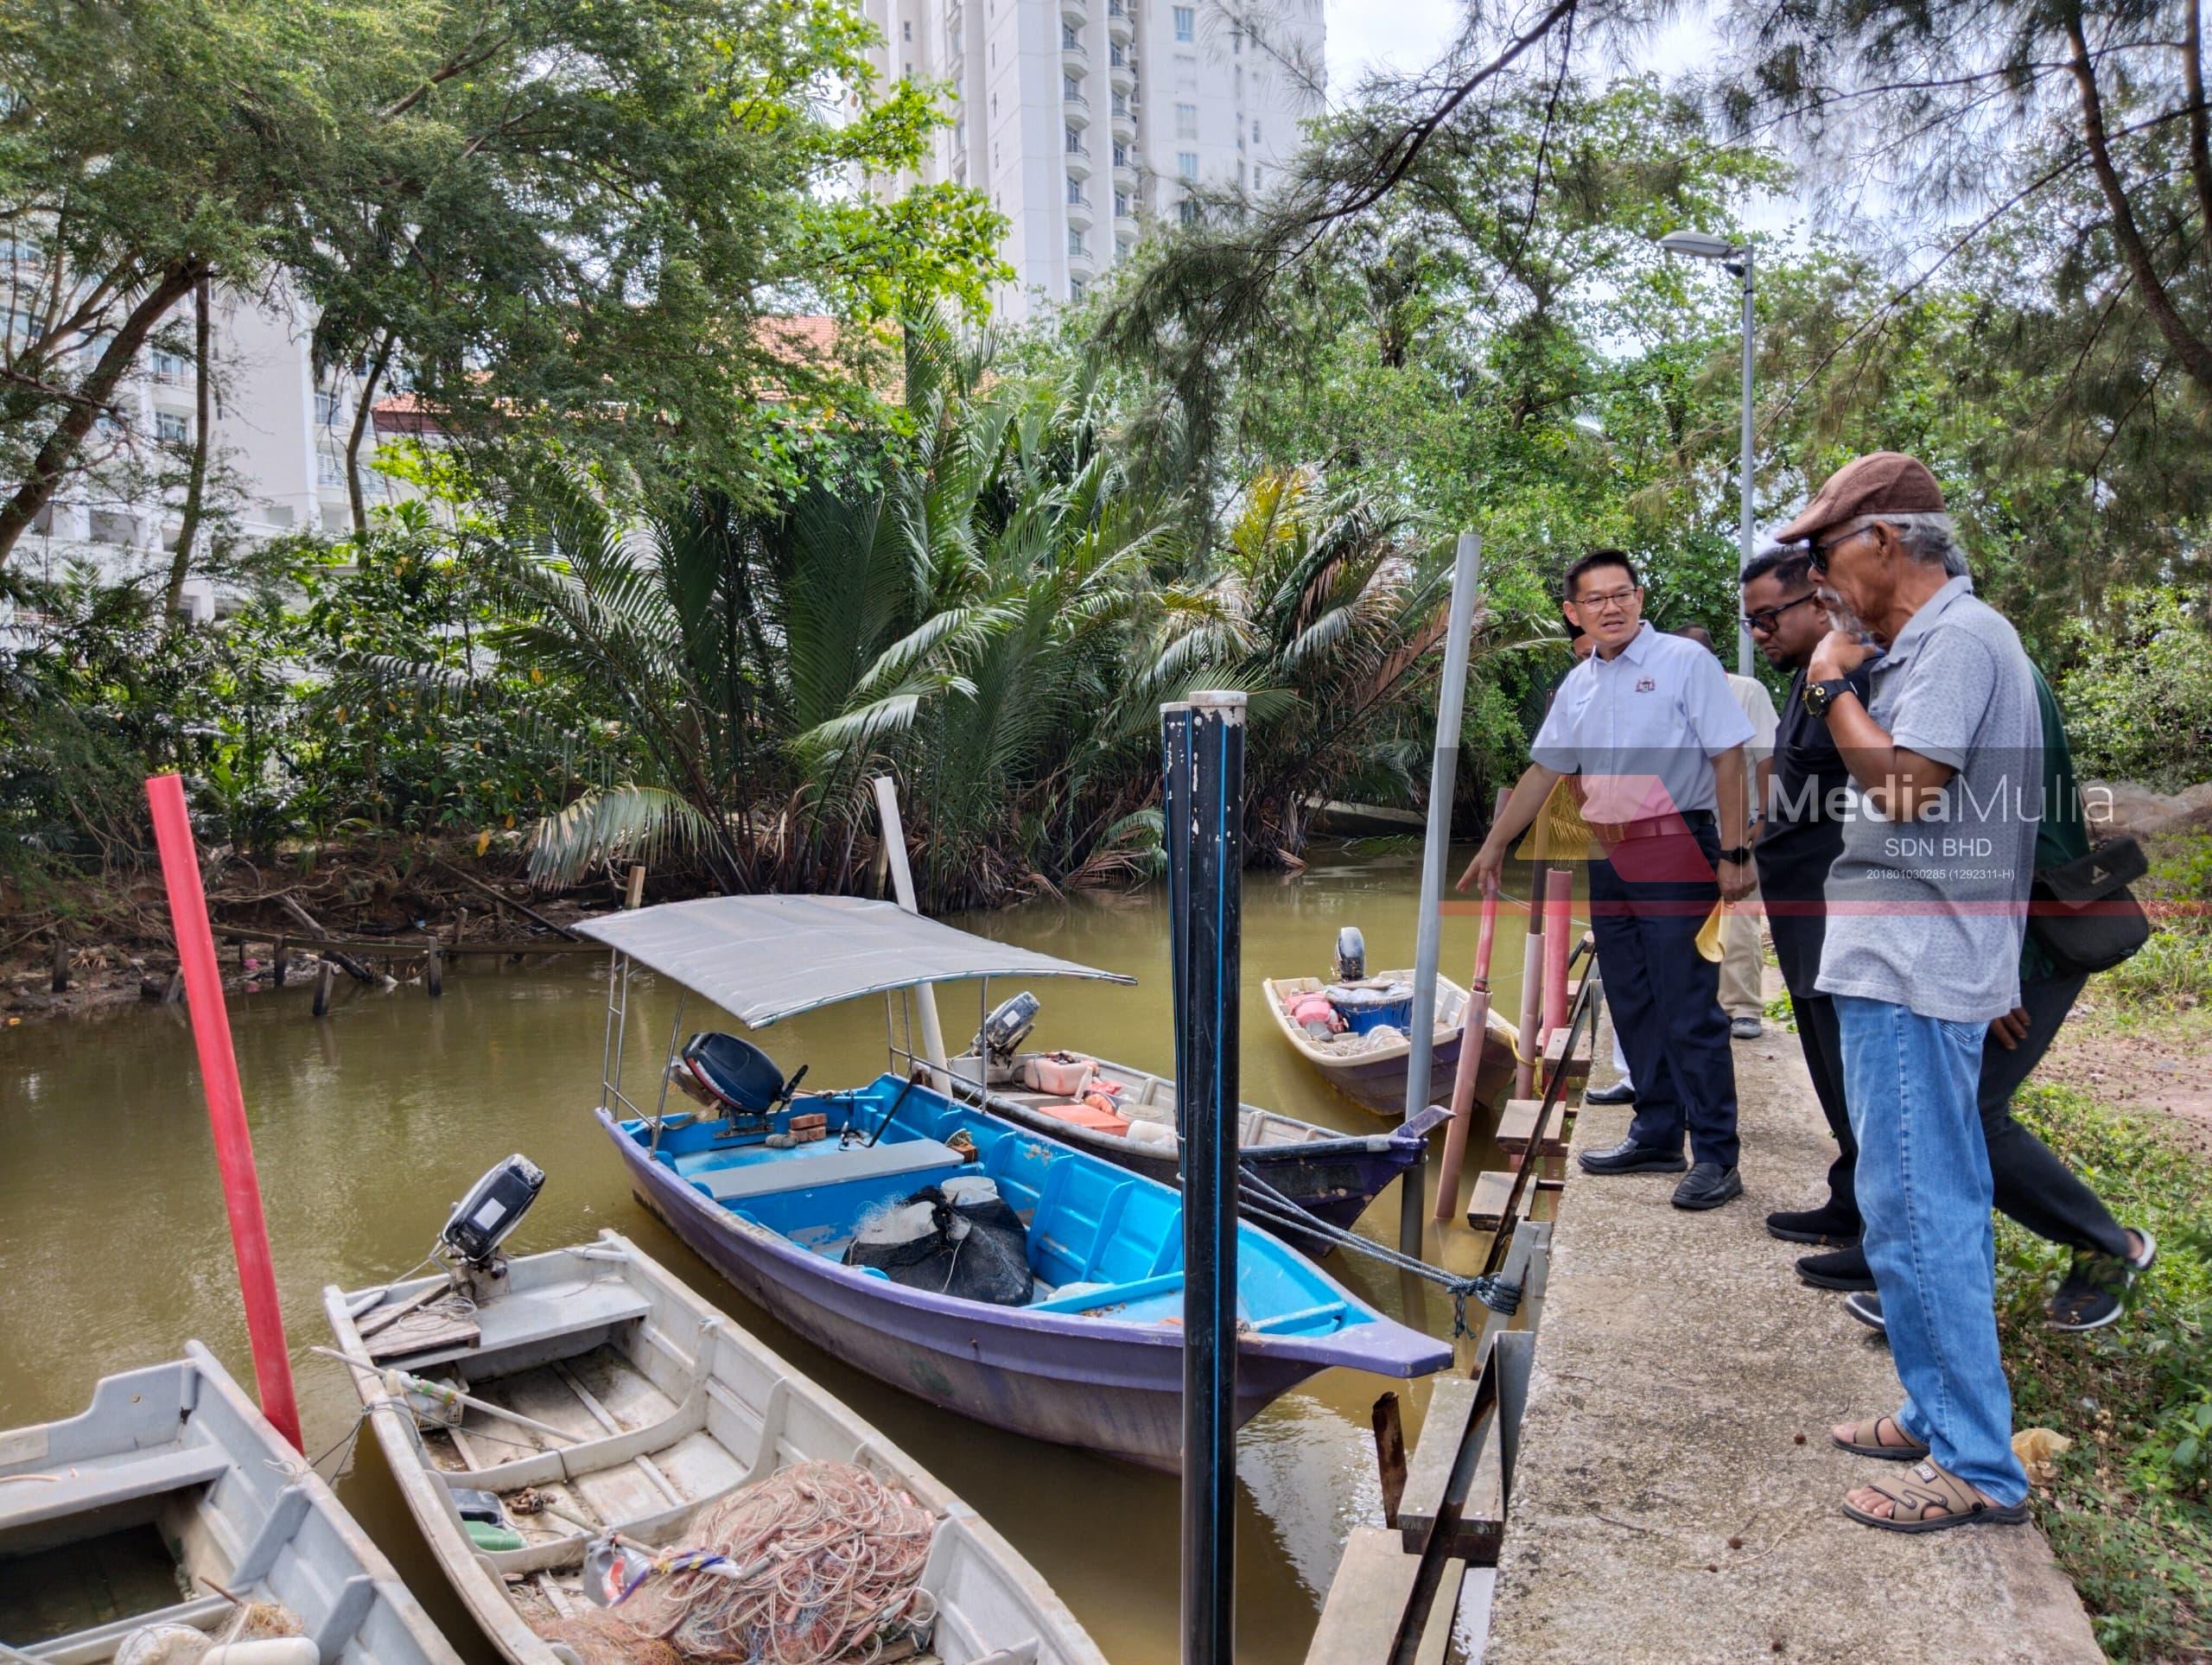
(1762, 622)
(1819, 555)
(1611, 600)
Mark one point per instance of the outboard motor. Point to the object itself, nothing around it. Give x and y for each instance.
(1004, 1031)
(494, 1206)
(1351, 955)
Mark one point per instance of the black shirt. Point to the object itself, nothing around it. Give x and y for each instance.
(1799, 840)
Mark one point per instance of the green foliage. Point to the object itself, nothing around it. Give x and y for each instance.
(2131, 1516)
(2139, 699)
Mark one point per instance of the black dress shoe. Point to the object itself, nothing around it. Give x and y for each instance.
(1845, 1269)
(1708, 1186)
(1824, 1226)
(1629, 1157)
(1621, 1092)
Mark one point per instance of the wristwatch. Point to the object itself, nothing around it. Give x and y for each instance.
(1819, 696)
(1740, 854)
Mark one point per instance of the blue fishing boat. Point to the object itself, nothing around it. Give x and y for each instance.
(786, 1193)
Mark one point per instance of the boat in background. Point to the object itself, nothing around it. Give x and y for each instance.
(1127, 1116)
(1370, 1068)
(658, 1408)
(172, 1502)
(775, 1188)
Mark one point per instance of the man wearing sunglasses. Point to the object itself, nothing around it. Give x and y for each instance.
(1647, 722)
(1927, 905)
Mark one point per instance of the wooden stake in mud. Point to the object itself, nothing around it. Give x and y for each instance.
(636, 897)
(433, 970)
(325, 973)
(218, 1077)
(60, 963)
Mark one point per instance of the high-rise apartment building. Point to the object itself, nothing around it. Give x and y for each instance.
(1082, 119)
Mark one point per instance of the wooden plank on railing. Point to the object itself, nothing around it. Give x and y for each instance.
(1486, 1209)
(1367, 1599)
(1517, 1126)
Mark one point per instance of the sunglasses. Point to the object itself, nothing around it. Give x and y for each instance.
(1819, 555)
(1762, 622)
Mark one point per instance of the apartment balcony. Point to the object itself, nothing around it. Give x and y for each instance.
(1082, 263)
(1075, 57)
(1078, 162)
(1123, 76)
(1075, 109)
(1081, 217)
(1124, 126)
(1125, 177)
(1120, 25)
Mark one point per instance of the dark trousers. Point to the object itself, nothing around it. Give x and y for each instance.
(2031, 1185)
(1647, 905)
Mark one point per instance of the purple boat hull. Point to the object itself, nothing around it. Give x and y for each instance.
(1117, 1389)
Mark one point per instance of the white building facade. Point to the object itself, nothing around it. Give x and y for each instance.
(278, 450)
(1083, 119)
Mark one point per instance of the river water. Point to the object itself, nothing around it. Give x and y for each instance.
(368, 1124)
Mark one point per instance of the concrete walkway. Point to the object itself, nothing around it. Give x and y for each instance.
(1664, 1507)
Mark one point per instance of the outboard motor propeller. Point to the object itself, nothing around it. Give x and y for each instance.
(1351, 955)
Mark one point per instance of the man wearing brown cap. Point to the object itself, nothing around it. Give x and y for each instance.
(1927, 903)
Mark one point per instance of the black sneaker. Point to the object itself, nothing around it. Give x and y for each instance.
(2095, 1292)
(1621, 1092)
(1823, 1226)
(1866, 1307)
(1708, 1186)
(1844, 1269)
(1629, 1157)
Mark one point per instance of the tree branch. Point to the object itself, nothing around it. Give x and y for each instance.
(2190, 349)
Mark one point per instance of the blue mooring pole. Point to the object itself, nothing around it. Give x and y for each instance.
(1211, 840)
(1175, 837)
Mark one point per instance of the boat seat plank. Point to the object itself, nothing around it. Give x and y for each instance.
(555, 1310)
(1517, 1126)
(731, 1184)
(1306, 1318)
(96, 1485)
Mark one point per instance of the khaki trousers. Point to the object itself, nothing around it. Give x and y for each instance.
(1740, 965)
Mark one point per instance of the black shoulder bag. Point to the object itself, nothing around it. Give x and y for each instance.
(2083, 915)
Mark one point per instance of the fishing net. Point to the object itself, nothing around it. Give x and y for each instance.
(961, 1239)
(602, 1638)
(828, 1563)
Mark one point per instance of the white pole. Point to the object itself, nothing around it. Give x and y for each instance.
(1743, 630)
(902, 882)
(1451, 702)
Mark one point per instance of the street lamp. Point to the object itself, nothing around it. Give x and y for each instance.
(1703, 245)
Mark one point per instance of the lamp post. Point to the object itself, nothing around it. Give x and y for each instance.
(1703, 245)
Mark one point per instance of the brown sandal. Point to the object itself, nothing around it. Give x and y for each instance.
(1867, 1441)
(1936, 1488)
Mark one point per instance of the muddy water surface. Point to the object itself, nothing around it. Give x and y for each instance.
(369, 1123)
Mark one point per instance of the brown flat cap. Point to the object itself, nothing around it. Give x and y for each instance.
(1881, 482)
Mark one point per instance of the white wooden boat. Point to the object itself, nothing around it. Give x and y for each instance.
(1372, 1068)
(171, 1490)
(665, 1407)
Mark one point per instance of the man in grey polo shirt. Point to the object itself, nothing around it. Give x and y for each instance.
(1927, 904)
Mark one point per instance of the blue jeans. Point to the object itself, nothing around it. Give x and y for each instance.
(1924, 1190)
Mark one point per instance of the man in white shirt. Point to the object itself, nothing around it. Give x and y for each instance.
(1741, 964)
(1648, 723)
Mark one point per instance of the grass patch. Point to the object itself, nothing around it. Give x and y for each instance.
(2172, 973)
(2130, 1516)
(1782, 1015)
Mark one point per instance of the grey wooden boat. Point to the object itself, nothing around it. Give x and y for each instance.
(171, 1489)
(663, 1406)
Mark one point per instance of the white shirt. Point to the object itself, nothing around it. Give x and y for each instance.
(1757, 706)
(1642, 728)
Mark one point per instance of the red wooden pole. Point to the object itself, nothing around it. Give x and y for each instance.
(219, 1075)
(1474, 1028)
(1559, 920)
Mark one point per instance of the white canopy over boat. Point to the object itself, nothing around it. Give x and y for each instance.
(764, 958)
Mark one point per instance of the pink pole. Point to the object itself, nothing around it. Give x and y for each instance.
(1559, 920)
(1474, 1029)
(219, 1075)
